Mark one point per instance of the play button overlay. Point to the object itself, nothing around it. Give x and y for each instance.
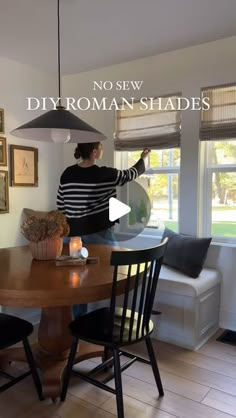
(131, 211)
(117, 209)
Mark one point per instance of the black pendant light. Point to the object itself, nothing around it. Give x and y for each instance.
(60, 125)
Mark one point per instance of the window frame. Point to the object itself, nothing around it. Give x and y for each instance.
(207, 191)
(121, 162)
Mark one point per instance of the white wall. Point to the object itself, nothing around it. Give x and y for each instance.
(185, 70)
(18, 82)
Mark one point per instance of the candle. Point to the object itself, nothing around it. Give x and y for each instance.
(75, 246)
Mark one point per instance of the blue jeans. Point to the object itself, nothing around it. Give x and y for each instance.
(105, 237)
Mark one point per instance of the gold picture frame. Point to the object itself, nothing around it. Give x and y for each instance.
(4, 192)
(2, 123)
(3, 150)
(24, 166)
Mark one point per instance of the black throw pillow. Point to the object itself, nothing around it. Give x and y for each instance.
(185, 253)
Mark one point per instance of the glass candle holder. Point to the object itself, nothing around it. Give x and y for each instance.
(75, 246)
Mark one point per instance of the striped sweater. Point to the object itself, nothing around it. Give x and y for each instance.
(84, 193)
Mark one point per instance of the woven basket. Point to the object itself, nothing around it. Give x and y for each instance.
(47, 249)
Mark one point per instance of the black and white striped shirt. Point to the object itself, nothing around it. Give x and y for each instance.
(84, 193)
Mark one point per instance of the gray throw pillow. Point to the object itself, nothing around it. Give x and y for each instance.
(185, 253)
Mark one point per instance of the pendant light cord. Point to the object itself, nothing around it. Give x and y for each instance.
(59, 51)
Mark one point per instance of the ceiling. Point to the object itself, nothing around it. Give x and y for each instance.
(99, 33)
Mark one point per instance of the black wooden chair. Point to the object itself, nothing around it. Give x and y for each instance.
(117, 326)
(12, 331)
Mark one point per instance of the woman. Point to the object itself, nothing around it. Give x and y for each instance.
(85, 189)
(84, 193)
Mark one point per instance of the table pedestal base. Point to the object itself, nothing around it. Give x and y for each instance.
(51, 367)
(52, 350)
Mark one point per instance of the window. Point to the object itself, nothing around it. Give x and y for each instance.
(159, 130)
(161, 182)
(218, 129)
(221, 189)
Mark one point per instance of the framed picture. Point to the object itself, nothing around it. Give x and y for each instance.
(4, 195)
(24, 166)
(3, 151)
(2, 128)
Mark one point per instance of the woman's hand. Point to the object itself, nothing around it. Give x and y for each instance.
(145, 153)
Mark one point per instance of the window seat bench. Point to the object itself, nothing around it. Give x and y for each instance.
(189, 307)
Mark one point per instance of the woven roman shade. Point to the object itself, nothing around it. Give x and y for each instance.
(219, 122)
(156, 129)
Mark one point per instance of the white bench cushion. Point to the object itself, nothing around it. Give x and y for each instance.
(173, 281)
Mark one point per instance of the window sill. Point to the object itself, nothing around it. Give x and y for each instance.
(224, 244)
(157, 237)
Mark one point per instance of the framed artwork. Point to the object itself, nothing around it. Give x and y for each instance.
(2, 128)
(4, 195)
(3, 151)
(24, 166)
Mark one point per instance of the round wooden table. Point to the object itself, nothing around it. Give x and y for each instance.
(25, 282)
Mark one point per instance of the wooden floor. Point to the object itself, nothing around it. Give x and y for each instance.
(198, 384)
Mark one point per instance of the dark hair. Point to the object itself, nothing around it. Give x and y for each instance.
(84, 150)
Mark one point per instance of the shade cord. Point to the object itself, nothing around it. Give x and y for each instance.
(59, 51)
